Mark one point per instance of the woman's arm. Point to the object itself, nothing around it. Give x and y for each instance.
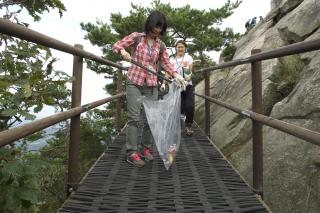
(124, 43)
(190, 63)
(191, 67)
(165, 61)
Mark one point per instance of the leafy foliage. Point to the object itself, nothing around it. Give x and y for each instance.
(53, 179)
(95, 135)
(18, 185)
(34, 8)
(198, 77)
(28, 82)
(27, 78)
(290, 68)
(228, 52)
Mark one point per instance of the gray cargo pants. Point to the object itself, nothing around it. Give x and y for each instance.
(138, 131)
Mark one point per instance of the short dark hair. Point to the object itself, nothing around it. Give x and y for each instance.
(181, 42)
(156, 19)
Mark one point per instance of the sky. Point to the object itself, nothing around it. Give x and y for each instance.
(68, 30)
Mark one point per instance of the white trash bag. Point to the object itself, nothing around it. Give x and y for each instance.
(164, 120)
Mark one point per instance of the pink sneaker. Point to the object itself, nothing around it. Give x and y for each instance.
(147, 154)
(135, 160)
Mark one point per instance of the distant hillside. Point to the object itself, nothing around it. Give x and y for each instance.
(37, 145)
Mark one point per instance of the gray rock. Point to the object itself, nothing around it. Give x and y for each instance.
(284, 6)
(291, 165)
(301, 22)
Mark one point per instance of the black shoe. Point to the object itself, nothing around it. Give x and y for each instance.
(189, 131)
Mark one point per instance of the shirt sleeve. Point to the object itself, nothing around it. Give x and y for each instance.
(166, 62)
(171, 60)
(190, 59)
(124, 43)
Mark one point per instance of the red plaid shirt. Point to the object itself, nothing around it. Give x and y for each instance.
(147, 57)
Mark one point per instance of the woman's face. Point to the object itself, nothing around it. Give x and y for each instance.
(181, 49)
(155, 32)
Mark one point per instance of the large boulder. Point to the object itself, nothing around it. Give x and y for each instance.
(291, 93)
(284, 5)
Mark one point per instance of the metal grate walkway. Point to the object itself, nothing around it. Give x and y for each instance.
(200, 181)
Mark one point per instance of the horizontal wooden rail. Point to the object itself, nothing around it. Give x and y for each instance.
(300, 132)
(296, 48)
(11, 135)
(19, 31)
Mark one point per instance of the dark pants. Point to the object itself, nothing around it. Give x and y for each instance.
(187, 105)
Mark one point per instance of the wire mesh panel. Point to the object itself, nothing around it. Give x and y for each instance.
(199, 181)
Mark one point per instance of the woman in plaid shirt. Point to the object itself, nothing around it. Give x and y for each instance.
(141, 83)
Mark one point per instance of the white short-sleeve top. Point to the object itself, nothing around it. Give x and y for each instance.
(183, 61)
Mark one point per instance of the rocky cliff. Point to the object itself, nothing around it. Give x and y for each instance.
(291, 93)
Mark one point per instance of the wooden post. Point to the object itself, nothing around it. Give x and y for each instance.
(74, 146)
(207, 103)
(118, 103)
(257, 137)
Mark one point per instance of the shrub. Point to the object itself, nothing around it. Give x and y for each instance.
(228, 52)
(289, 72)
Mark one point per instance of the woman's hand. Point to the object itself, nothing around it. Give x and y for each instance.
(180, 81)
(125, 55)
(163, 87)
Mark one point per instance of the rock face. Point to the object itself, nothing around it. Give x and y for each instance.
(291, 93)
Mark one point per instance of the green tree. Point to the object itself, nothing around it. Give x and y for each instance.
(52, 178)
(27, 78)
(228, 52)
(95, 135)
(34, 8)
(19, 190)
(27, 83)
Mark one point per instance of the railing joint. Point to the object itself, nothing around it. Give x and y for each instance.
(86, 106)
(246, 113)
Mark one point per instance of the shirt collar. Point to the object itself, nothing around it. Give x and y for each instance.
(145, 35)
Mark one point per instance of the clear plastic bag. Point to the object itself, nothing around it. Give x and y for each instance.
(164, 120)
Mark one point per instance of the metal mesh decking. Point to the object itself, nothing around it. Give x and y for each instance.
(200, 181)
